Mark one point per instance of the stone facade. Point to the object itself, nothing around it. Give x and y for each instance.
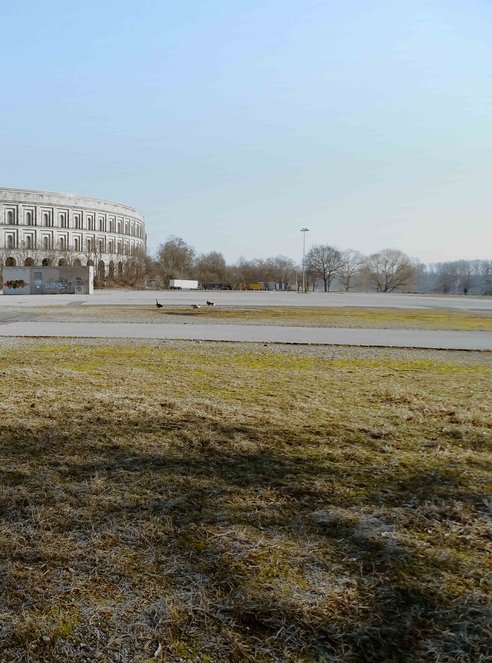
(46, 228)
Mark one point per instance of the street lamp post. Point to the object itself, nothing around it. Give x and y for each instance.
(304, 231)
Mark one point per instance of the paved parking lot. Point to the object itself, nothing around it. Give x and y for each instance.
(245, 298)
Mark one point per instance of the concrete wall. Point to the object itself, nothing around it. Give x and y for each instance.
(48, 280)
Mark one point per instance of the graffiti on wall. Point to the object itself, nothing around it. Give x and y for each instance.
(13, 285)
(57, 284)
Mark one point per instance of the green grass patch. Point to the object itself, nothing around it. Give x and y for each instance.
(390, 318)
(220, 503)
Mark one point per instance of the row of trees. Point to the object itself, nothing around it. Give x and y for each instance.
(177, 259)
(324, 266)
(387, 270)
(474, 276)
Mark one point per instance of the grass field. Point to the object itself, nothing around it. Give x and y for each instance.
(202, 502)
(445, 319)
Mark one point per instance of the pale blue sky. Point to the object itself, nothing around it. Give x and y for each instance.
(235, 124)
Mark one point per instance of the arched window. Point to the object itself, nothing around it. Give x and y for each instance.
(29, 242)
(28, 262)
(10, 217)
(76, 244)
(29, 218)
(46, 219)
(46, 243)
(62, 262)
(10, 262)
(101, 246)
(61, 243)
(89, 245)
(10, 241)
(76, 262)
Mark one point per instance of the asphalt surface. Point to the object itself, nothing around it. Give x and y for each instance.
(235, 298)
(416, 338)
(459, 340)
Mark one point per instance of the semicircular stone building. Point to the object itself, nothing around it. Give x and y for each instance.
(47, 228)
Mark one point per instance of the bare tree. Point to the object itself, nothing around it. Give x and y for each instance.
(324, 262)
(352, 262)
(246, 271)
(279, 269)
(176, 259)
(465, 271)
(210, 268)
(92, 256)
(135, 269)
(391, 270)
(485, 270)
(445, 276)
(27, 254)
(65, 256)
(3, 257)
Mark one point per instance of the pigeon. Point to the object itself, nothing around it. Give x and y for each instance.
(195, 306)
(210, 303)
(158, 305)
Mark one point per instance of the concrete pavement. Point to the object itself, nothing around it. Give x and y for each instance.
(235, 298)
(413, 338)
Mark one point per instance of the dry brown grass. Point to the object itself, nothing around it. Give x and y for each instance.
(220, 504)
(290, 316)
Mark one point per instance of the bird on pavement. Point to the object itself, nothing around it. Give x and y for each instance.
(158, 305)
(210, 303)
(195, 306)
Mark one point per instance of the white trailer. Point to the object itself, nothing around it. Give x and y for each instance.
(183, 284)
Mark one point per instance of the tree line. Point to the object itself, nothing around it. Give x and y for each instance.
(325, 268)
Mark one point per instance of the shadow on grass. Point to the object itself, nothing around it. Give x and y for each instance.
(232, 543)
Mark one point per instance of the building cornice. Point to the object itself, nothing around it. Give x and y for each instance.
(70, 196)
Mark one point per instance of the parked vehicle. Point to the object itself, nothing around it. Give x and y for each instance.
(183, 284)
